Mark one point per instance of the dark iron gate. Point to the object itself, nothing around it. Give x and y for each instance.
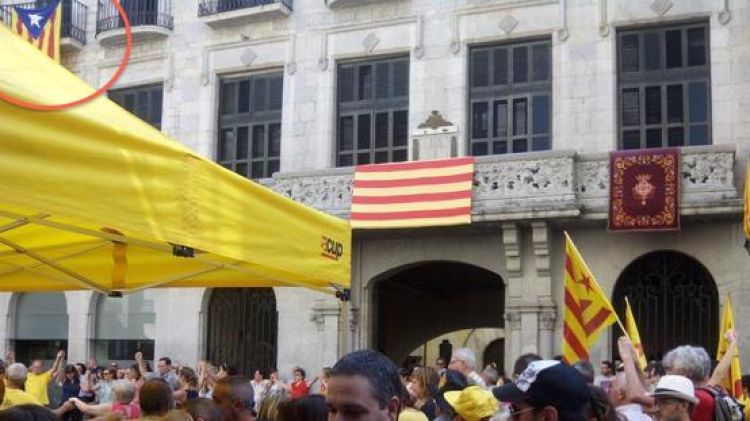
(674, 301)
(243, 328)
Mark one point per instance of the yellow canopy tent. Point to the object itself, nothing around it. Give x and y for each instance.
(93, 197)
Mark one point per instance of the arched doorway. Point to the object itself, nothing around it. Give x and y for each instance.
(674, 301)
(494, 353)
(422, 301)
(243, 328)
(123, 326)
(41, 327)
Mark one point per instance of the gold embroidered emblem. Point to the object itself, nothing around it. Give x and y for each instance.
(643, 189)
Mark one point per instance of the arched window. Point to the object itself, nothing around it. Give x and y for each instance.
(41, 326)
(243, 328)
(674, 301)
(124, 325)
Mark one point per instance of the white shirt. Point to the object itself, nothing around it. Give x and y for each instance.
(632, 412)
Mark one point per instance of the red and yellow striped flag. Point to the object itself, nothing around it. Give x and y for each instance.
(732, 382)
(413, 194)
(746, 219)
(40, 26)
(635, 337)
(587, 309)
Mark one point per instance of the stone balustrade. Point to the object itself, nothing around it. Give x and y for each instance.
(550, 184)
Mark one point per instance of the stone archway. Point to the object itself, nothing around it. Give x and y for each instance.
(415, 303)
(674, 300)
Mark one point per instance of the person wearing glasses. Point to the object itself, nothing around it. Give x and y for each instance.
(103, 389)
(546, 390)
(674, 398)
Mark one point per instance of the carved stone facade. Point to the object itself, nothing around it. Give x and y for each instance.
(521, 202)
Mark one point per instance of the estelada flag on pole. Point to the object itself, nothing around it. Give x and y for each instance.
(635, 337)
(587, 309)
(40, 26)
(732, 382)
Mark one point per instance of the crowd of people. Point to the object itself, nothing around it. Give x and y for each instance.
(365, 385)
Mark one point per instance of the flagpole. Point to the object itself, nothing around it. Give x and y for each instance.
(572, 244)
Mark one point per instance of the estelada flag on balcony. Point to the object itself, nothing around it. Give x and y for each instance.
(644, 190)
(413, 194)
(587, 309)
(40, 26)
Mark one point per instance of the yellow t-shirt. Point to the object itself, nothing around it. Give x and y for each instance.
(411, 414)
(15, 397)
(36, 386)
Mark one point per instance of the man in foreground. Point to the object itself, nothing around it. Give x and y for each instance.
(364, 386)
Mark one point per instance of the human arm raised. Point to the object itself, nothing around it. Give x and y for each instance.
(634, 388)
(722, 368)
(58, 362)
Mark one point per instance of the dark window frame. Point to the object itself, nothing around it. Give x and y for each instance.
(253, 122)
(497, 87)
(154, 94)
(388, 110)
(665, 78)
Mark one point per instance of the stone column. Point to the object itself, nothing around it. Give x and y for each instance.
(547, 309)
(325, 315)
(511, 237)
(80, 326)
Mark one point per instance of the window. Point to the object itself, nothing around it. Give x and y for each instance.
(510, 98)
(123, 326)
(41, 326)
(250, 124)
(143, 101)
(373, 112)
(663, 82)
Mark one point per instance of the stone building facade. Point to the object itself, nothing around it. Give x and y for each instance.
(504, 271)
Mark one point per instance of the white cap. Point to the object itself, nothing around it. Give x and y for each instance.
(678, 387)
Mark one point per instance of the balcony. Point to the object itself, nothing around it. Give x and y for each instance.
(73, 35)
(73, 30)
(541, 185)
(219, 13)
(149, 19)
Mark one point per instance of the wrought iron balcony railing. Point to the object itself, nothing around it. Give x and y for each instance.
(73, 17)
(140, 13)
(212, 7)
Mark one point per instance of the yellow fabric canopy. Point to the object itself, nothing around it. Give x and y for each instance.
(93, 197)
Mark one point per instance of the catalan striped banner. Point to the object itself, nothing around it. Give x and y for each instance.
(40, 26)
(413, 194)
(587, 309)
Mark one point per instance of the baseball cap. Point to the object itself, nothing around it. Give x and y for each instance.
(472, 403)
(547, 382)
(678, 387)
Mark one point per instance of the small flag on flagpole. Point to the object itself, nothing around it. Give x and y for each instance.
(732, 382)
(635, 337)
(587, 309)
(40, 26)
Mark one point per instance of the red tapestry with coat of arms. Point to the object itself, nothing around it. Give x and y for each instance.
(644, 190)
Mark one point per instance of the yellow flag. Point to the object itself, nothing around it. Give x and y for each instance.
(746, 219)
(732, 382)
(635, 337)
(587, 309)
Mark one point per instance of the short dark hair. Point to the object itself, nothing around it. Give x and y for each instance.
(203, 408)
(240, 390)
(301, 371)
(381, 372)
(523, 361)
(27, 412)
(308, 408)
(167, 360)
(746, 380)
(156, 397)
(609, 364)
